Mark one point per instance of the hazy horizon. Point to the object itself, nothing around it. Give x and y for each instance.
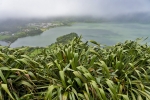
(57, 8)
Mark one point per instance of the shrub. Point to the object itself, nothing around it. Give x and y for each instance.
(76, 71)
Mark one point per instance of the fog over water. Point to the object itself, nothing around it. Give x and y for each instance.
(116, 10)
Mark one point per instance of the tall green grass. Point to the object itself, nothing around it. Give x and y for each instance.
(76, 71)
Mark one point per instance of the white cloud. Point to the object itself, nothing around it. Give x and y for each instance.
(43, 8)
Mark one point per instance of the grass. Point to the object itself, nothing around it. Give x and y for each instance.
(76, 71)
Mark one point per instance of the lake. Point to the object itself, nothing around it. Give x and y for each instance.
(104, 33)
(4, 43)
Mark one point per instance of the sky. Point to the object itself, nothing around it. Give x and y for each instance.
(48, 8)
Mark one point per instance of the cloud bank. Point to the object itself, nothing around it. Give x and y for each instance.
(48, 8)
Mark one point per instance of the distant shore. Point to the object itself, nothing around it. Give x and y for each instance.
(30, 31)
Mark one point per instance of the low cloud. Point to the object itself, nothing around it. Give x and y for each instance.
(47, 8)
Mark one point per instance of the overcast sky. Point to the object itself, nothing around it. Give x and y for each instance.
(46, 8)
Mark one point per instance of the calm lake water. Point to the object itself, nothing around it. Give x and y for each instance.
(104, 33)
(4, 43)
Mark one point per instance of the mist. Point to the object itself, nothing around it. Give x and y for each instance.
(56, 8)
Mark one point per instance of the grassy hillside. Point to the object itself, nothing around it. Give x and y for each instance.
(76, 71)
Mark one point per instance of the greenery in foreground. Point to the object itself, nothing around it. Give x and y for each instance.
(76, 71)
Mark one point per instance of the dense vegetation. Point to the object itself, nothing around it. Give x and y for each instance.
(76, 71)
(65, 38)
(34, 32)
(10, 38)
(12, 29)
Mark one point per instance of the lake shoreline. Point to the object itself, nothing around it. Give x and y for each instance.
(105, 33)
(12, 39)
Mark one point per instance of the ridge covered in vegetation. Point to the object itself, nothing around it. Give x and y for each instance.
(76, 71)
(66, 38)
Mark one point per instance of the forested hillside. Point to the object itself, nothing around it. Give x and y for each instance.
(76, 71)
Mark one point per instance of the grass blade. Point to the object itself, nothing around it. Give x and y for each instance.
(5, 87)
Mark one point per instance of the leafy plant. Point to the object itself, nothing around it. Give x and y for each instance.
(76, 71)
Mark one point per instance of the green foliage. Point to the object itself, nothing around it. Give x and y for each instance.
(10, 38)
(34, 32)
(65, 38)
(76, 71)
